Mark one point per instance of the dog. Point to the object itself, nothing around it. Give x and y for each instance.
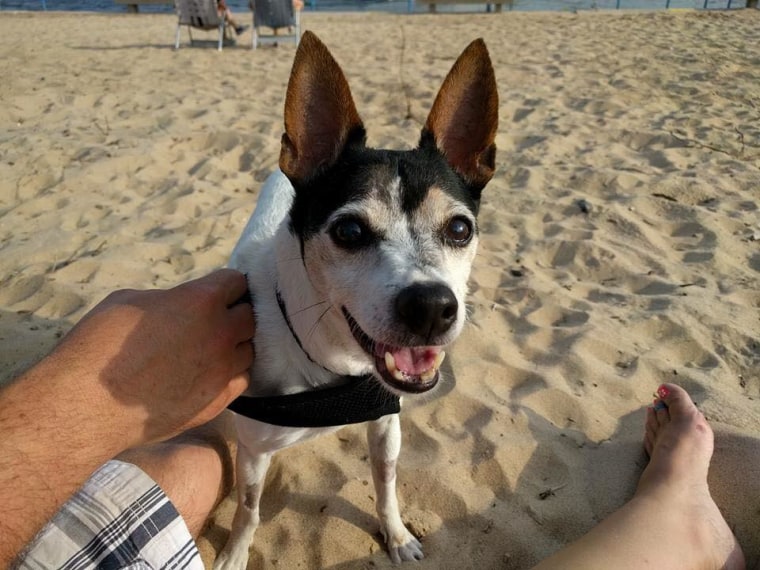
(357, 261)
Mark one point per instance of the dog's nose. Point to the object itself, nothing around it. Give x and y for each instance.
(427, 309)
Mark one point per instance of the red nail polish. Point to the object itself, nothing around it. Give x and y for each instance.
(663, 391)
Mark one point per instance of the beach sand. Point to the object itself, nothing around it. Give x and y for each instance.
(620, 248)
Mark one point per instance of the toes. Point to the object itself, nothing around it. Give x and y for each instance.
(651, 423)
(675, 397)
(661, 412)
(404, 548)
(650, 431)
(673, 406)
(410, 551)
(395, 556)
(679, 405)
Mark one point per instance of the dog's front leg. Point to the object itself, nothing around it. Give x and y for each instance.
(384, 437)
(251, 472)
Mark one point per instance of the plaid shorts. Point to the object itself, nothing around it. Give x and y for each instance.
(120, 518)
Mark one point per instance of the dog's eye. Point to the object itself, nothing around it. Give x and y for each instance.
(458, 231)
(350, 233)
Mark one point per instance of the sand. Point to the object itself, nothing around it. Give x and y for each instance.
(620, 248)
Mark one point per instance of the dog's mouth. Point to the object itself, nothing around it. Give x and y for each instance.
(412, 369)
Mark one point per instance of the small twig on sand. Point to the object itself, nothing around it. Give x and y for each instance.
(699, 144)
(741, 140)
(404, 86)
(543, 495)
(105, 132)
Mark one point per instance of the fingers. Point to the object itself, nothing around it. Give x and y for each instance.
(242, 357)
(234, 284)
(228, 284)
(237, 386)
(242, 322)
(239, 325)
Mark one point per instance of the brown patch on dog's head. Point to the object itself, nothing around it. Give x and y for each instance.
(436, 208)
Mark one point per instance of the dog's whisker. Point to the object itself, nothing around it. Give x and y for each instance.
(316, 323)
(356, 330)
(299, 311)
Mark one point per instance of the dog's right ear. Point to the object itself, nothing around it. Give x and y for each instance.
(320, 115)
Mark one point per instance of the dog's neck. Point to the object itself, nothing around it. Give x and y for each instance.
(300, 341)
(286, 318)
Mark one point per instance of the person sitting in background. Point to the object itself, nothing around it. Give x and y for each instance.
(228, 17)
(297, 7)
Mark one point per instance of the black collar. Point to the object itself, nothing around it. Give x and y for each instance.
(357, 399)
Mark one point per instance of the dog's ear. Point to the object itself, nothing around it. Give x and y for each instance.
(320, 115)
(464, 117)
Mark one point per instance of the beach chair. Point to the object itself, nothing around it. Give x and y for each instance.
(275, 15)
(201, 15)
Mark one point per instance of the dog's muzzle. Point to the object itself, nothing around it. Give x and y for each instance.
(426, 311)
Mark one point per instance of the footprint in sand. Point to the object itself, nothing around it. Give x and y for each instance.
(698, 242)
(558, 317)
(675, 343)
(38, 295)
(754, 262)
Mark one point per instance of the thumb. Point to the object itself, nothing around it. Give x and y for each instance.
(234, 388)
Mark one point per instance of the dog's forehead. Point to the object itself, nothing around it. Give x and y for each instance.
(395, 181)
(389, 197)
(410, 181)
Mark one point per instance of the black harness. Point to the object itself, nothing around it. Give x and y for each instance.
(360, 399)
(357, 399)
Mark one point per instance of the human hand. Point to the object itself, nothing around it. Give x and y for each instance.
(164, 360)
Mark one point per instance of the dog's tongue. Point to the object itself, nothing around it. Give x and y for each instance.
(412, 361)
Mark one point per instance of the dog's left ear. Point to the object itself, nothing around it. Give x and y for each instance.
(320, 115)
(465, 116)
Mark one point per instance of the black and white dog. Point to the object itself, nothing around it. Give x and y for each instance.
(357, 261)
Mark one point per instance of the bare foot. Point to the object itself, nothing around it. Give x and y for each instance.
(672, 522)
(679, 442)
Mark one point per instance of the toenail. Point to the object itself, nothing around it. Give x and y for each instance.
(660, 405)
(663, 391)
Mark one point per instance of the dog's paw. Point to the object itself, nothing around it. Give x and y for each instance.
(403, 546)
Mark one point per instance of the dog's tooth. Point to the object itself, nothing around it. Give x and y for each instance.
(431, 372)
(390, 362)
(428, 375)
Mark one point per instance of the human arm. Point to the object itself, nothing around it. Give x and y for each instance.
(140, 367)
